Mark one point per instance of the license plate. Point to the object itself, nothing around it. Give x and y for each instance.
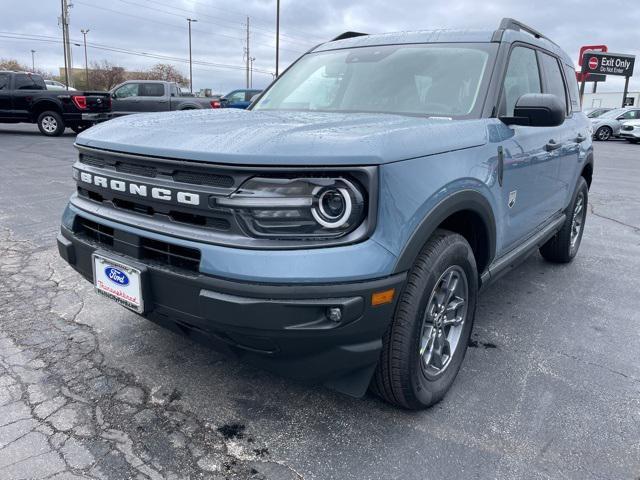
(119, 282)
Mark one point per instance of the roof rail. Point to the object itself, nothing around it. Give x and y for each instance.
(346, 35)
(512, 24)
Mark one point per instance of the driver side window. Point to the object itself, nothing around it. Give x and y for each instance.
(523, 76)
(129, 90)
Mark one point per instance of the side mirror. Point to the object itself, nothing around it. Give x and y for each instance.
(113, 95)
(537, 110)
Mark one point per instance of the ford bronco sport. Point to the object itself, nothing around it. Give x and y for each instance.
(340, 229)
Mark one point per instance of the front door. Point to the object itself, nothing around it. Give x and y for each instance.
(529, 194)
(125, 99)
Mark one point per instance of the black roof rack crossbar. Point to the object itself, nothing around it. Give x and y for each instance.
(345, 35)
(512, 24)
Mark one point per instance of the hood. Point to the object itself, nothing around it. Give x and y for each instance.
(231, 136)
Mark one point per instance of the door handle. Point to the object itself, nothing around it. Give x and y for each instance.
(552, 145)
(580, 138)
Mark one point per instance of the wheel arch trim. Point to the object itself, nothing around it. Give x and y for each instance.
(464, 200)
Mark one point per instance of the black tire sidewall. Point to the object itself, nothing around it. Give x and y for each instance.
(459, 253)
(61, 126)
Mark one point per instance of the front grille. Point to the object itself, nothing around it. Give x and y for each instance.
(206, 221)
(99, 233)
(141, 248)
(136, 169)
(172, 255)
(627, 127)
(223, 181)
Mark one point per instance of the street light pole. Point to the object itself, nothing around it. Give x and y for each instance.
(33, 60)
(190, 62)
(277, 36)
(86, 63)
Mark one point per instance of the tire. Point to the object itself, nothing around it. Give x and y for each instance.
(51, 124)
(603, 133)
(564, 245)
(407, 374)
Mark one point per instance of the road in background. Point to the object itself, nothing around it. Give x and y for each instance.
(549, 389)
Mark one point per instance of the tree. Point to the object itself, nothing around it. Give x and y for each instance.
(104, 75)
(15, 66)
(166, 72)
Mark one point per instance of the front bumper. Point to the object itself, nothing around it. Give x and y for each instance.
(630, 134)
(283, 328)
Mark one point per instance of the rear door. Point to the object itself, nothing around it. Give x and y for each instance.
(25, 87)
(153, 98)
(565, 136)
(530, 174)
(5, 96)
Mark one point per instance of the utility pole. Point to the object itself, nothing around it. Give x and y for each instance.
(86, 62)
(190, 20)
(252, 59)
(277, 36)
(248, 54)
(68, 64)
(33, 60)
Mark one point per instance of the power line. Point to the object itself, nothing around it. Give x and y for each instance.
(203, 32)
(96, 46)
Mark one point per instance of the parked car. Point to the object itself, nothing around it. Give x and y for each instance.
(236, 99)
(608, 124)
(630, 131)
(596, 112)
(334, 235)
(24, 98)
(136, 96)
(53, 85)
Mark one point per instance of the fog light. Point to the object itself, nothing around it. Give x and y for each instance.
(334, 314)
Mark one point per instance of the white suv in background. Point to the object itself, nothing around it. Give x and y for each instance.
(631, 131)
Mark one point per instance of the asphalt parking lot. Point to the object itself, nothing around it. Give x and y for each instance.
(549, 389)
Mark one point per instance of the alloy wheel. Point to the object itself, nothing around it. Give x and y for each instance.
(49, 124)
(443, 321)
(577, 221)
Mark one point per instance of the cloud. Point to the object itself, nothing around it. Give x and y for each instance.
(159, 27)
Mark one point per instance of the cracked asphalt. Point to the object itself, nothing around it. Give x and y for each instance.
(550, 388)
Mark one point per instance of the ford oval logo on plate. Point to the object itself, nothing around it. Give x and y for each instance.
(116, 275)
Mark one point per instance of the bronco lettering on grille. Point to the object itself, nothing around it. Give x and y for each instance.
(157, 193)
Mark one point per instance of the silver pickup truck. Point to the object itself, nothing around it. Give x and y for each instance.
(136, 96)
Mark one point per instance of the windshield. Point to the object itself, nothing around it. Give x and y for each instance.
(427, 79)
(613, 113)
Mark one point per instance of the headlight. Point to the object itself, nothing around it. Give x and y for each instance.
(298, 207)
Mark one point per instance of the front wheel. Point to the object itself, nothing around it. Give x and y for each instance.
(604, 133)
(428, 337)
(51, 124)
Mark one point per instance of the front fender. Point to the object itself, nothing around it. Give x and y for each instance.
(461, 200)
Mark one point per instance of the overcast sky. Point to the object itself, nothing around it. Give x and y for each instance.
(159, 27)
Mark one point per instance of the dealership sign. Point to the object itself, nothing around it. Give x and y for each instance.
(605, 63)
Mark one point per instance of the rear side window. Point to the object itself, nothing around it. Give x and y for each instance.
(4, 81)
(572, 83)
(151, 90)
(523, 76)
(553, 75)
(24, 81)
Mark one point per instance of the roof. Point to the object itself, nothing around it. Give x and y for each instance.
(507, 35)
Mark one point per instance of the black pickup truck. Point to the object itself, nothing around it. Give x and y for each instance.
(24, 98)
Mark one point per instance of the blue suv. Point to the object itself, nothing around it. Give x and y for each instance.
(339, 230)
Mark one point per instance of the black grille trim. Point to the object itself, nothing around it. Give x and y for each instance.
(139, 247)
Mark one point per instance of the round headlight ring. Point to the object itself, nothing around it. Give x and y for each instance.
(324, 218)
